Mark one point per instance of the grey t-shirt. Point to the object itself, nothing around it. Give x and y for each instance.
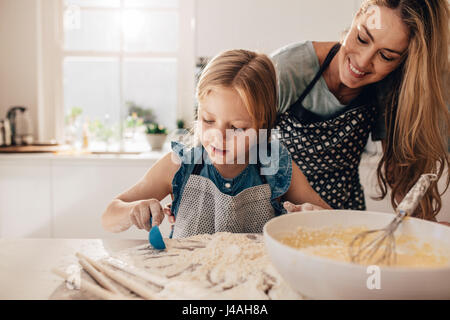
(296, 65)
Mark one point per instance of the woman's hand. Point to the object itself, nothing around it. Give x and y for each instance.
(141, 212)
(290, 207)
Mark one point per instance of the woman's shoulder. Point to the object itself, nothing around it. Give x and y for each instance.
(322, 49)
(295, 65)
(292, 48)
(293, 54)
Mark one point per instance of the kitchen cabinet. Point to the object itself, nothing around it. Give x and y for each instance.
(49, 196)
(25, 198)
(81, 192)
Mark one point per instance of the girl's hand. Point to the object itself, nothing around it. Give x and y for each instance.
(140, 214)
(290, 207)
(168, 212)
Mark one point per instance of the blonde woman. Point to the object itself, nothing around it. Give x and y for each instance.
(216, 186)
(388, 77)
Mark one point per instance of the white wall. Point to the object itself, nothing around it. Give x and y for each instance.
(18, 56)
(266, 25)
(262, 25)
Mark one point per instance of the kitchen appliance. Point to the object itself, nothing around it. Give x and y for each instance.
(5, 133)
(318, 277)
(21, 126)
(2, 135)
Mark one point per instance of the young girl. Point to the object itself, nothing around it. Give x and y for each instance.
(217, 186)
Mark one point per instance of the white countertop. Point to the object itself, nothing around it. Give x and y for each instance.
(366, 159)
(26, 264)
(152, 155)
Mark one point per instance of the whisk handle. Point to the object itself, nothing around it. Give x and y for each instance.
(413, 197)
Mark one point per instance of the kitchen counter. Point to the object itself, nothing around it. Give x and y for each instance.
(219, 266)
(25, 264)
(83, 156)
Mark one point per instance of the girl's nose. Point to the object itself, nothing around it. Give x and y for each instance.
(217, 136)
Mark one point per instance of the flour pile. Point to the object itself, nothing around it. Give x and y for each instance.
(219, 266)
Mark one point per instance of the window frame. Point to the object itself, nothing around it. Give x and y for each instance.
(51, 55)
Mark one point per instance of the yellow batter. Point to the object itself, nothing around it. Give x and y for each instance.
(333, 243)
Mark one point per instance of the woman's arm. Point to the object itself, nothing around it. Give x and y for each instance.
(300, 191)
(142, 200)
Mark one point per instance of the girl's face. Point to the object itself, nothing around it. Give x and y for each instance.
(224, 123)
(373, 47)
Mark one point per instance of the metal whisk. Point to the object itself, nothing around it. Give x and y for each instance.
(362, 251)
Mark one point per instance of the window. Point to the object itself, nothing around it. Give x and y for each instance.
(119, 54)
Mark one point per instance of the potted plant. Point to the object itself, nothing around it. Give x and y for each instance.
(72, 125)
(132, 123)
(180, 132)
(145, 114)
(156, 135)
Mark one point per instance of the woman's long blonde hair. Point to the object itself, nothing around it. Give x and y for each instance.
(417, 116)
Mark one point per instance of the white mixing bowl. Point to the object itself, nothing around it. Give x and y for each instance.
(322, 278)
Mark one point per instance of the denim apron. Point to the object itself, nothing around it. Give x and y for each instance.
(328, 150)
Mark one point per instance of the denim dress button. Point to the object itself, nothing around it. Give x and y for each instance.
(228, 185)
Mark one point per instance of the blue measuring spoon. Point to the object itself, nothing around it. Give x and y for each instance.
(155, 237)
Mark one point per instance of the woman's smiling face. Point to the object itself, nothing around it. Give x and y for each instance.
(374, 47)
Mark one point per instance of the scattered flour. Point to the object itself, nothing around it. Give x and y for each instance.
(219, 266)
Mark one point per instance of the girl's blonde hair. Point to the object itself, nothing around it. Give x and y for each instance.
(253, 77)
(417, 118)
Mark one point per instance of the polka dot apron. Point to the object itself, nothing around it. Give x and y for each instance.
(328, 151)
(205, 209)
